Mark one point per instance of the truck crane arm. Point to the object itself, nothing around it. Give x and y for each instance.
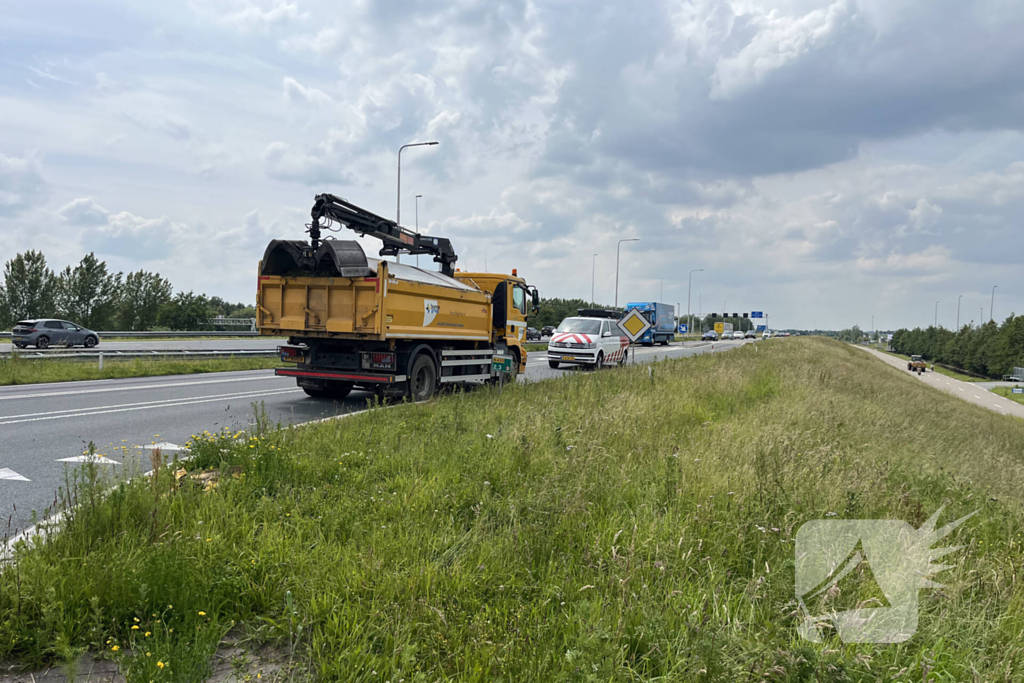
(395, 238)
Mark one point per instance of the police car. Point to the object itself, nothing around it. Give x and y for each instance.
(592, 339)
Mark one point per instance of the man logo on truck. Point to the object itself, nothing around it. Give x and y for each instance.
(430, 311)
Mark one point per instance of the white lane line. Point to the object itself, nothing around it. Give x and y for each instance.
(134, 388)
(98, 459)
(947, 383)
(10, 475)
(184, 402)
(960, 388)
(997, 406)
(87, 409)
(163, 446)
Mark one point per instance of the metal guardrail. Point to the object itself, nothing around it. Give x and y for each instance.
(176, 335)
(129, 355)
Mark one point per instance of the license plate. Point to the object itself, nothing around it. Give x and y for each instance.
(568, 357)
(292, 359)
(501, 364)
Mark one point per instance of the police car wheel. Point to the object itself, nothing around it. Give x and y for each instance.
(600, 360)
(553, 364)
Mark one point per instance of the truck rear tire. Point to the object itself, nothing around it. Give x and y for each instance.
(422, 378)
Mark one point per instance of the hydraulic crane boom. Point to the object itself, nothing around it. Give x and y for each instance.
(395, 238)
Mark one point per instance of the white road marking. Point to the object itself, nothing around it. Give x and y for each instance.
(10, 475)
(135, 388)
(90, 412)
(238, 394)
(163, 446)
(98, 459)
(960, 388)
(976, 396)
(997, 406)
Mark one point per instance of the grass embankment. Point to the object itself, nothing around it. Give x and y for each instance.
(605, 526)
(26, 371)
(1006, 393)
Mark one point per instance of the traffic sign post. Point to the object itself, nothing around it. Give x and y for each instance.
(1017, 390)
(761, 328)
(757, 314)
(683, 329)
(634, 325)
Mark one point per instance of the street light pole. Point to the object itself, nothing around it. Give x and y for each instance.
(617, 247)
(689, 283)
(958, 312)
(661, 296)
(418, 225)
(398, 209)
(936, 314)
(593, 272)
(992, 304)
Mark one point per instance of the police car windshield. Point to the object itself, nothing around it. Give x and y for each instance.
(580, 325)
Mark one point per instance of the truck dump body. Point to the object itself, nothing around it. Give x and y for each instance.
(395, 301)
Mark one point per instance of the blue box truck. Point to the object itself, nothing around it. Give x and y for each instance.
(662, 318)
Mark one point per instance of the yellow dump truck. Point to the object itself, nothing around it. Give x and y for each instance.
(358, 322)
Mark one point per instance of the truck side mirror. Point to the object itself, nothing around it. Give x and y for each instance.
(536, 301)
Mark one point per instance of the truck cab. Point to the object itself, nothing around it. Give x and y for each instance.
(512, 301)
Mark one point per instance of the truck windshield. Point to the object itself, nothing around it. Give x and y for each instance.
(580, 325)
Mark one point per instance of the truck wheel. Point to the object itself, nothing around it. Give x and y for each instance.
(910, 367)
(553, 364)
(422, 378)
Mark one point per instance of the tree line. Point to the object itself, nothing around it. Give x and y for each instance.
(992, 349)
(90, 295)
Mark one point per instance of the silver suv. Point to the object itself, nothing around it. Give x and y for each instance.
(44, 333)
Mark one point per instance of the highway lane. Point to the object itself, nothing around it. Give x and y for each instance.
(973, 392)
(43, 425)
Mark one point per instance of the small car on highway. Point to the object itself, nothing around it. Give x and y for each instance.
(710, 335)
(547, 330)
(750, 334)
(737, 335)
(590, 340)
(532, 333)
(46, 332)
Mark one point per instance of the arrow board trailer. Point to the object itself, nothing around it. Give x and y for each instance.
(355, 322)
(662, 319)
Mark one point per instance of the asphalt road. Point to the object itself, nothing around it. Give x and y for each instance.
(45, 424)
(973, 392)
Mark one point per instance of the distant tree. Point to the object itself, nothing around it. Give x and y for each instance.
(141, 296)
(28, 288)
(554, 311)
(244, 312)
(87, 294)
(185, 311)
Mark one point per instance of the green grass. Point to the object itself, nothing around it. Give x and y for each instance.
(1006, 393)
(27, 371)
(621, 525)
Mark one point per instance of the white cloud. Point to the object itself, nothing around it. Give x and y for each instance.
(21, 183)
(296, 92)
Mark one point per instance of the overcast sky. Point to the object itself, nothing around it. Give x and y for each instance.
(823, 162)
